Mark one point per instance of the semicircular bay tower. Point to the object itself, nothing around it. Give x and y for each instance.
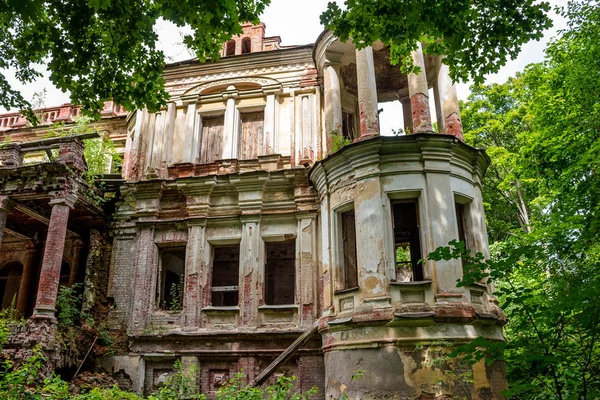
(262, 223)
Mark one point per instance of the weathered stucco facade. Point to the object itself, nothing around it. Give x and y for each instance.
(240, 226)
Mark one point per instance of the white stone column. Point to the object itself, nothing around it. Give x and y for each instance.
(333, 99)
(190, 121)
(371, 239)
(195, 270)
(5, 207)
(450, 111)
(306, 265)
(418, 92)
(325, 273)
(367, 93)
(251, 285)
(442, 225)
(269, 128)
(229, 130)
(169, 132)
(145, 265)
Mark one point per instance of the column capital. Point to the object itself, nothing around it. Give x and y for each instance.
(63, 197)
(6, 204)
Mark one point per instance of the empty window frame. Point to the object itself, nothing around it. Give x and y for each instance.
(211, 148)
(348, 260)
(171, 278)
(348, 125)
(251, 135)
(280, 272)
(407, 244)
(461, 221)
(10, 283)
(225, 275)
(230, 48)
(246, 45)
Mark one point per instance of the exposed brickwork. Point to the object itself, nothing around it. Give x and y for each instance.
(421, 114)
(71, 154)
(11, 156)
(454, 126)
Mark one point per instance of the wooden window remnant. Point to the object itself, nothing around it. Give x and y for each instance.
(171, 278)
(225, 276)
(407, 244)
(251, 135)
(349, 261)
(246, 45)
(230, 49)
(280, 272)
(211, 148)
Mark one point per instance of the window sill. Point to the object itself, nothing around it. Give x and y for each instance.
(479, 285)
(349, 290)
(282, 307)
(221, 309)
(411, 284)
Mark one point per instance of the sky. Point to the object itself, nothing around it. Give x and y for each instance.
(297, 22)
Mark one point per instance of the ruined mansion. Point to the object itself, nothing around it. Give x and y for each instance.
(259, 222)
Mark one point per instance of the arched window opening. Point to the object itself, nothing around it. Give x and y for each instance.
(65, 273)
(246, 45)
(230, 49)
(10, 281)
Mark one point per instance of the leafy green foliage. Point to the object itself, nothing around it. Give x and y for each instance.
(176, 293)
(68, 303)
(477, 37)
(102, 50)
(179, 385)
(542, 131)
(283, 389)
(337, 141)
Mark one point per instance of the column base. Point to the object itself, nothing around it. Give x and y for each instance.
(365, 136)
(42, 312)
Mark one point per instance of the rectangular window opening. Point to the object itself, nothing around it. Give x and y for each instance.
(211, 148)
(280, 272)
(348, 125)
(462, 226)
(407, 246)
(171, 278)
(225, 276)
(349, 261)
(251, 135)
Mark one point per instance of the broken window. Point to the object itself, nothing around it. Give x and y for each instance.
(251, 135)
(246, 45)
(349, 264)
(230, 49)
(171, 278)
(280, 272)
(211, 148)
(407, 246)
(462, 225)
(65, 273)
(225, 275)
(348, 125)
(10, 282)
